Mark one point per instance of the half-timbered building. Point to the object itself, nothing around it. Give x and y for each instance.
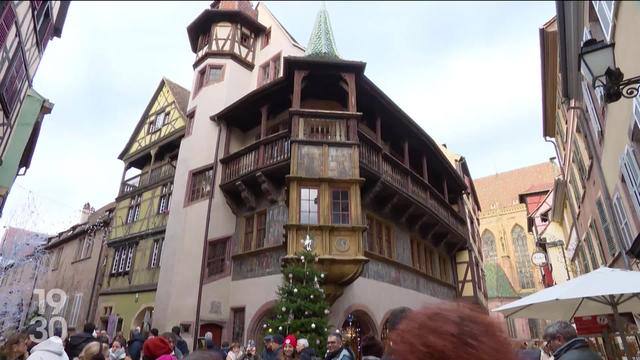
(141, 211)
(287, 143)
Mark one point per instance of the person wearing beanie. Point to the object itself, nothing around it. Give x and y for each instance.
(451, 331)
(276, 346)
(371, 348)
(156, 348)
(180, 343)
(289, 348)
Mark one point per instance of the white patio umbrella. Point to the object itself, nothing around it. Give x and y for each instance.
(602, 291)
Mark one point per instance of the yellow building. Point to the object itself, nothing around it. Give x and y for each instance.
(507, 199)
(142, 208)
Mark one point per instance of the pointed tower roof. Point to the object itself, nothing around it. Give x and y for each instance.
(321, 42)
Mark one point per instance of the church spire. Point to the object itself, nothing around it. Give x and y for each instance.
(321, 42)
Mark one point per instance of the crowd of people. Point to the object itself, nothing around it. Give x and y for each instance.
(439, 332)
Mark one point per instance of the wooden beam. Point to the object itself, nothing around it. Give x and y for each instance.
(233, 205)
(391, 204)
(368, 197)
(417, 225)
(406, 214)
(431, 231)
(379, 129)
(438, 243)
(247, 196)
(264, 112)
(405, 147)
(425, 172)
(267, 187)
(446, 190)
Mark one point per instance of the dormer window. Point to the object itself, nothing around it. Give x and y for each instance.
(158, 122)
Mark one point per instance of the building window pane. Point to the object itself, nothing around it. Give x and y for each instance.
(489, 247)
(238, 326)
(216, 257)
(623, 219)
(200, 184)
(308, 206)
(248, 232)
(523, 261)
(591, 250)
(261, 229)
(340, 207)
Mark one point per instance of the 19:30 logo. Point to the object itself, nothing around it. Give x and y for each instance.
(55, 299)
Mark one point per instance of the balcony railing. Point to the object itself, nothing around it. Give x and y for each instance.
(265, 152)
(325, 129)
(404, 179)
(147, 178)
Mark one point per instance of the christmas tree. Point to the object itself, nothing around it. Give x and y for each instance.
(301, 309)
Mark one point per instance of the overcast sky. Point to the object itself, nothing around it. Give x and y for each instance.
(468, 73)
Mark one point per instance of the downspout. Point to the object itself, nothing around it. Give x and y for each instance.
(206, 238)
(607, 197)
(95, 278)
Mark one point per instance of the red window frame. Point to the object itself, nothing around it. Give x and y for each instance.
(339, 213)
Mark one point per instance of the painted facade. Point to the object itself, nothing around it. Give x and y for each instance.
(27, 27)
(509, 237)
(594, 140)
(75, 258)
(134, 247)
(287, 143)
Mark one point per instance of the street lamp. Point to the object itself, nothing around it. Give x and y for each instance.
(599, 61)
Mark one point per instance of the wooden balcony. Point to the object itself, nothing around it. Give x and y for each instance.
(404, 180)
(150, 177)
(264, 153)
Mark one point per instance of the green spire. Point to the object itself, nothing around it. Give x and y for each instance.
(321, 42)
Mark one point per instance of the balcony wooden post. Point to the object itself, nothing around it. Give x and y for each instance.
(425, 172)
(446, 190)
(351, 84)
(263, 133)
(227, 139)
(405, 147)
(298, 75)
(379, 130)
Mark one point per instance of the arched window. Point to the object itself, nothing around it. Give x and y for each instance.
(489, 247)
(523, 261)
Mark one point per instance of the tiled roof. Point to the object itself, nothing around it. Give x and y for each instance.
(498, 285)
(504, 188)
(180, 94)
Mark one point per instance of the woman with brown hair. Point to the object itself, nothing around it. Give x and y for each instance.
(289, 348)
(94, 351)
(15, 348)
(450, 331)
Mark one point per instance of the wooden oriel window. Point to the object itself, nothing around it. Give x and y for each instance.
(380, 237)
(269, 70)
(216, 257)
(424, 258)
(340, 206)
(255, 231)
(200, 184)
(309, 205)
(248, 232)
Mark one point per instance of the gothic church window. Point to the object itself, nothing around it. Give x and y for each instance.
(489, 247)
(523, 261)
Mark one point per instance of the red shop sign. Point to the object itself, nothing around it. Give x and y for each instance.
(588, 325)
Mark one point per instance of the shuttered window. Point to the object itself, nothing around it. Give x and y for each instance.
(623, 219)
(7, 19)
(605, 11)
(13, 80)
(593, 115)
(606, 227)
(631, 174)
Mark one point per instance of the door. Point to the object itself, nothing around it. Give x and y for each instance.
(215, 329)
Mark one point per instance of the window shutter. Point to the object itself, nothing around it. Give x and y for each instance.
(605, 10)
(8, 18)
(631, 174)
(623, 219)
(593, 116)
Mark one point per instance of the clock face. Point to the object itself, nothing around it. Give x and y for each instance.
(342, 244)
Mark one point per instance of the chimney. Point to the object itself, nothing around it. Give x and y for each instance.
(86, 211)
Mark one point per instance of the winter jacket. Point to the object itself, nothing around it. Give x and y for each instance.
(576, 349)
(135, 346)
(345, 354)
(50, 349)
(270, 355)
(246, 356)
(529, 354)
(182, 346)
(77, 342)
(118, 355)
(307, 354)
